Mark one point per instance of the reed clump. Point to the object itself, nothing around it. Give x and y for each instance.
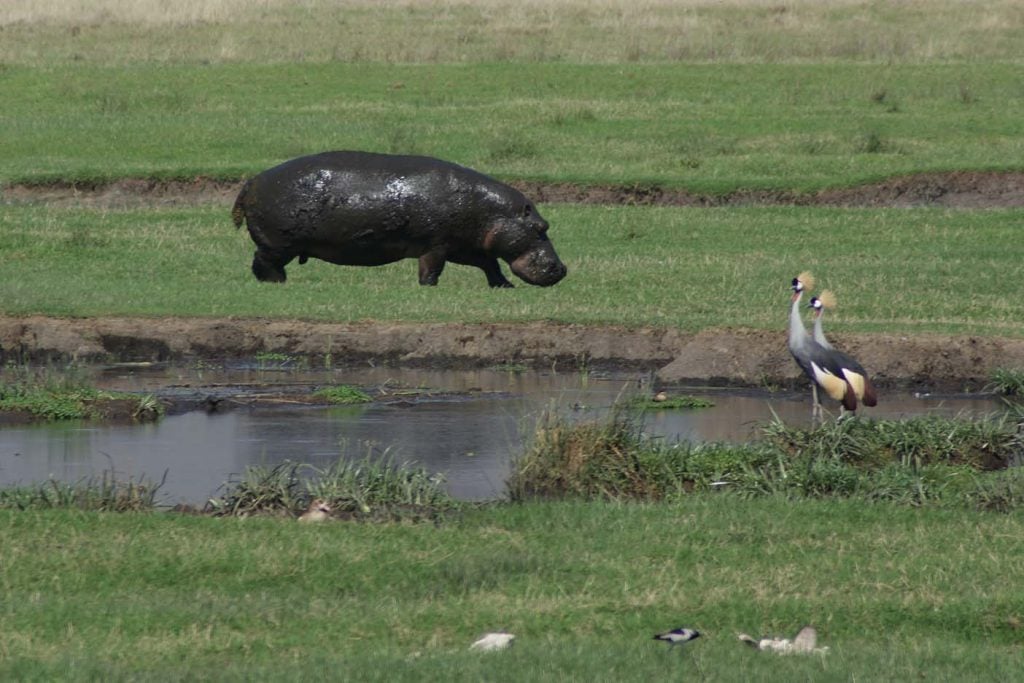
(926, 460)
(107, 493)
(353, 489)
(1007, 382)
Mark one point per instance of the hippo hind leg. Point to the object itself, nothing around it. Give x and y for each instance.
(431, 267)
(269, 267)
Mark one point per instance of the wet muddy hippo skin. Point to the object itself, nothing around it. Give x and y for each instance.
(363, 209)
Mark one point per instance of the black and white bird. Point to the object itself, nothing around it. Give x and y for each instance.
(678, 636)
(839, 375)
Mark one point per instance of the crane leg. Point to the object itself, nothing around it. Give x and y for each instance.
(816, 408)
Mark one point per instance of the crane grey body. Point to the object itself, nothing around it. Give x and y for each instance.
(842, 377)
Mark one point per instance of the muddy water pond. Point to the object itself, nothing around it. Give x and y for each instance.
(467, 425)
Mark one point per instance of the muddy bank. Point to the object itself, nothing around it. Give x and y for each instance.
(963, 189)
(717, 357)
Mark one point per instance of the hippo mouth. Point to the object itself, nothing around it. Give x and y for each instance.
(537, 269)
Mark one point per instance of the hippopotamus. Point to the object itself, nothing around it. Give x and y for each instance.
(367, 209)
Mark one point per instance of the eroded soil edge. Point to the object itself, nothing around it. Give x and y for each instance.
(718, 356)
(964, 189)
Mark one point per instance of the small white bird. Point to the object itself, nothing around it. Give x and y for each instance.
(318, 511)
(678, 636)
(803, 643)
(493, 641)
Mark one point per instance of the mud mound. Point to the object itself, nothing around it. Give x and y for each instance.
(966, 189)
(725, 356)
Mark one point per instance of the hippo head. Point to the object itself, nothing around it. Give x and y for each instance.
(521, 239)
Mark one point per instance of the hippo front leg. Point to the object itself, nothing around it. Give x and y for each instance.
(495, 278)
(432, 264)
(490, 266)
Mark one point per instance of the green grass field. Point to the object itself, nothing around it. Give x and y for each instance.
(711, 97)
(921, 270)
(708, 128)
(897, 593)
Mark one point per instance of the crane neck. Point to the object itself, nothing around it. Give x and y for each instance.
(797, 332)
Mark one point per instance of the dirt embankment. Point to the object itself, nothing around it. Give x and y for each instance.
(740, 357)
(735, 357)
(965, 189)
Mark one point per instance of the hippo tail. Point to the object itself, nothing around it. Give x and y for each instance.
(238, 210)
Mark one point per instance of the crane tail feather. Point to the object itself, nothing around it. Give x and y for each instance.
(850, 398)
(862, 387)
(870, 398)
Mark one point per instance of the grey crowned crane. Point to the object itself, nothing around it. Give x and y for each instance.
(819, 304)
(852, 370)
(840, 376)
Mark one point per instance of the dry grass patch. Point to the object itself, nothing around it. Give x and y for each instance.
(119, 31)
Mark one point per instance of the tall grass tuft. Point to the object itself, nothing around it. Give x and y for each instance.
(261, 490)
(1008, 382)
(352, 488)
(920, 461)
(363, 487)
(983, 444)
(599, 458)
(108, 493)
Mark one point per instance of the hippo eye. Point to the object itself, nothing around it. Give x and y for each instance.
(527, 209)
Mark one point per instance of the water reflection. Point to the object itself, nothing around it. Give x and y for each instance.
(470, 438)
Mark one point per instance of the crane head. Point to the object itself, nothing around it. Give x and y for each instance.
(828, 299)
(825, 300)
(802, 282)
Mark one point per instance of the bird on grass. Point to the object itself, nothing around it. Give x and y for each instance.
(839, 375)
(678, 636)
(493, 641)
(804, 642)
(318, 511)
